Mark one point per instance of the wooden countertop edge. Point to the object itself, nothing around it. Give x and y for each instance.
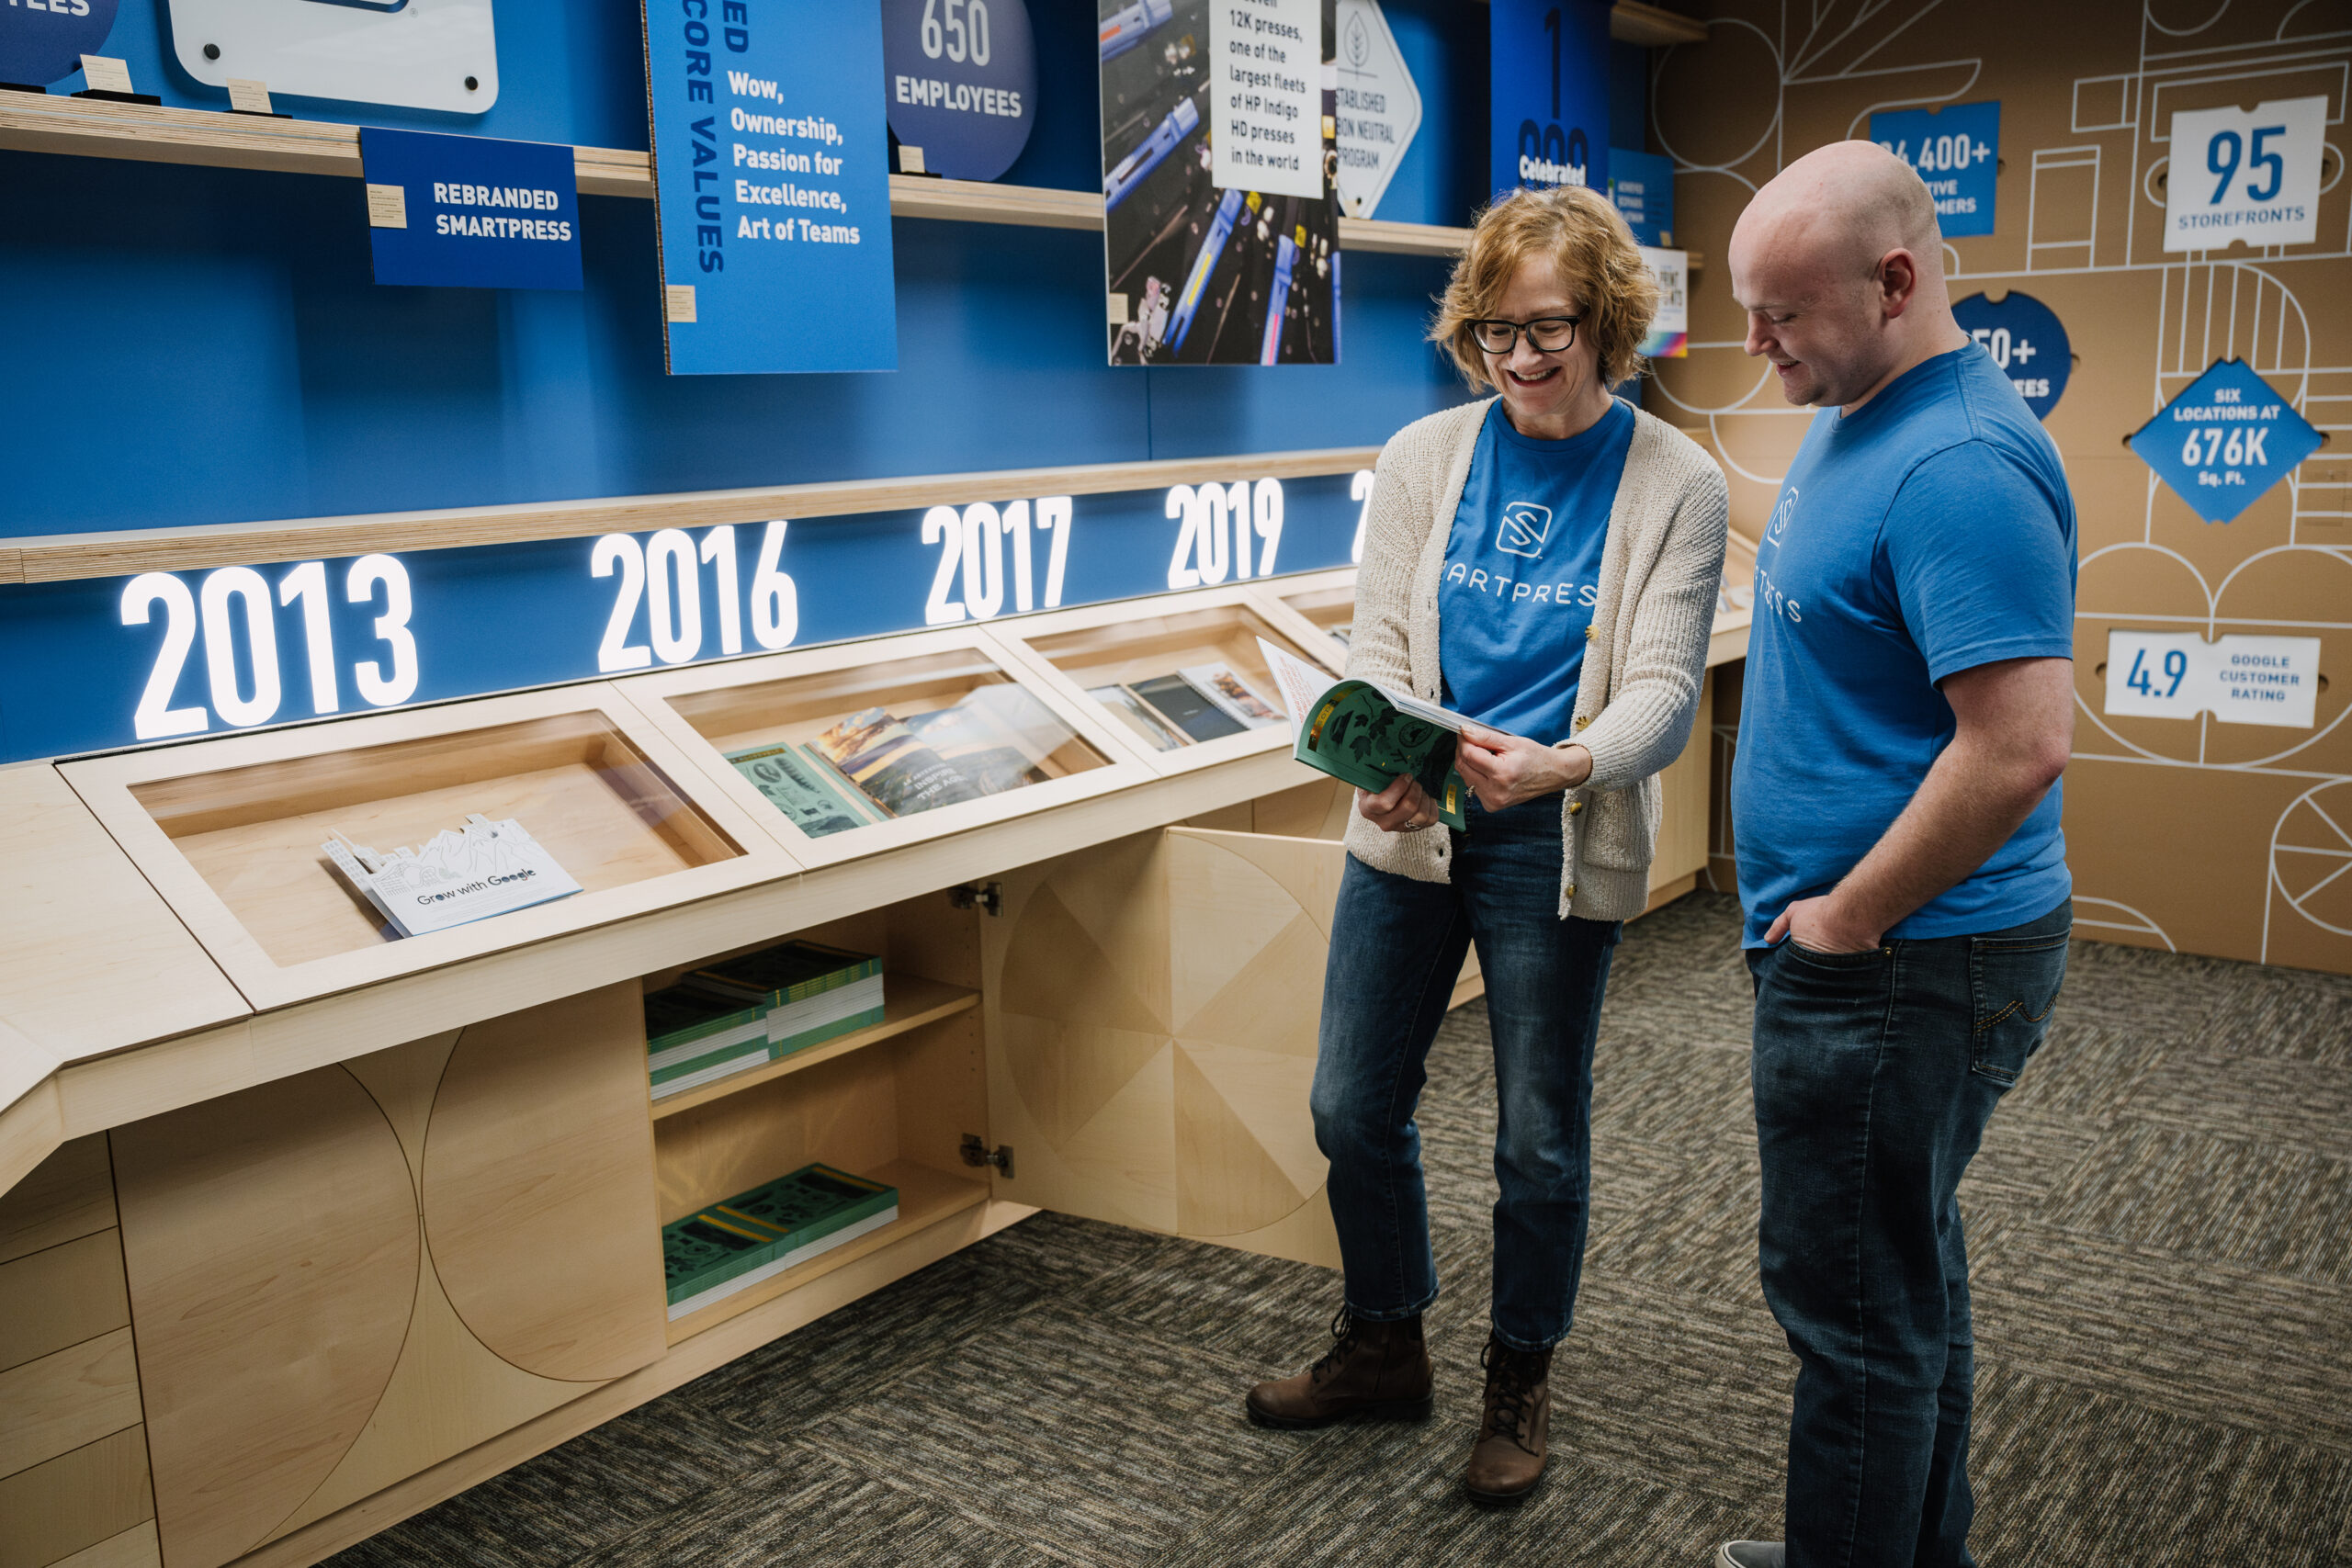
(66, 1099)
(58, 557)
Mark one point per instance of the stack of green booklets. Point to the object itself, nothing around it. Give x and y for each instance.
(756, 1236)
(743, 1012)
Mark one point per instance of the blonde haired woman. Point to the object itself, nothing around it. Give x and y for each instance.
(1547, 561)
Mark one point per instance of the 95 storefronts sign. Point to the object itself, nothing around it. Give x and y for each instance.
(97, 663)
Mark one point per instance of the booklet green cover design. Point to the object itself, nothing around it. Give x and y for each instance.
(1359, 736)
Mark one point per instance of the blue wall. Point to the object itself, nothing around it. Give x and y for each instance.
(207, 346)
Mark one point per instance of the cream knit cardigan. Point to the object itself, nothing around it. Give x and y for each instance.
(1660, 571)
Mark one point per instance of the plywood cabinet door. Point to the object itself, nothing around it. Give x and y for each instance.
(342, 1278)
(1150, 1011)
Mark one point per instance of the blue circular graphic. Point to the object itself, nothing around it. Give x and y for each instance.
(960, 78)
(37, 48)
(2026, 342)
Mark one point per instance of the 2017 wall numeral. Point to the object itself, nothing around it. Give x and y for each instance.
(973, 539)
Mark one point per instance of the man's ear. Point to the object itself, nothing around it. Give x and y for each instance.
(1898, 282)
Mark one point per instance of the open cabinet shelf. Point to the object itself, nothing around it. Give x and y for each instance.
(909, 1001)
(925, 1198)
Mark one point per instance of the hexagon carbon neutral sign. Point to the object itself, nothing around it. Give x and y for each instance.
(1379, 107)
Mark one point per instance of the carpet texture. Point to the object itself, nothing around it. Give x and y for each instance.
(2161, 1225)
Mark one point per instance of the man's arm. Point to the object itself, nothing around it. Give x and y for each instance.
(2016, 730)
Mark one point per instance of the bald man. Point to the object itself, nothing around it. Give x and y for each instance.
(1909, 706)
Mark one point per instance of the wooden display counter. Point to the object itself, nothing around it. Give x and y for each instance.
(303, 1228)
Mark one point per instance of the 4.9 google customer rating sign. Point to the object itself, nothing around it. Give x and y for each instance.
(2224, 441)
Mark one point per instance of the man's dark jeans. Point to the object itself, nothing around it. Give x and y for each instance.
(1875, 1074)
(1396, 949)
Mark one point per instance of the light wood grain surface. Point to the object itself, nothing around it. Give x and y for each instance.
(273, 1248)
(61, 1296)
(538, 1187)
(67, 1398)
(134, 1548)
(76, 918)
(78, 1499)
(68, 1195)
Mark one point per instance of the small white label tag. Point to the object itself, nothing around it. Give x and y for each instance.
(1118, 303)
(678, 302)
(2239, 680)
(106, 75)
(250, 97)
(910, 160)
(387, 207)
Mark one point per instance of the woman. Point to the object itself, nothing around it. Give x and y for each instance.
(1545, 561)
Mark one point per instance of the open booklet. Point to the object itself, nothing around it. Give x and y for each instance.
(1365, 734)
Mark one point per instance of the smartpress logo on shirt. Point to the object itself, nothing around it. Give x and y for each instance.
(1523, 528)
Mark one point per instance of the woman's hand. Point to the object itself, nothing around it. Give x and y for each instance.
(1504, 770)
(1403, 807)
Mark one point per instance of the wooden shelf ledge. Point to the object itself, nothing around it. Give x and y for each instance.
(214, 139)
(57, 558)
(925, 1198)
(909, 1001)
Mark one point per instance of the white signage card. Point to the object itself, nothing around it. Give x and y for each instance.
(2235, 175)
(461, 875)
(2239, 680)
(249, 97)
(1379, 107)
(1265, 103)
(106, 75)
(387, 207)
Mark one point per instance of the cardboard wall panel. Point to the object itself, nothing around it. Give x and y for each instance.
(2191, 834)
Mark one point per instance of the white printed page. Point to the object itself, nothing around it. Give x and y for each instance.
(1265, 96)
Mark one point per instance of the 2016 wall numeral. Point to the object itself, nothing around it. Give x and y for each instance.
(663, 573)
(234, 612)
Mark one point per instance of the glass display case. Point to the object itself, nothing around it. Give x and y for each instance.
(1324, 599)
(302, 858)
(1184, 680)
(842, 751)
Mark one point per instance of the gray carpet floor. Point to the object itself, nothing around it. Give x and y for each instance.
(2161, 1222)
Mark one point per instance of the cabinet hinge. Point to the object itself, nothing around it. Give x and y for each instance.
(978, 1152)
(989, 896)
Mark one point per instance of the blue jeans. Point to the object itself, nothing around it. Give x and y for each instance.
(1396, 949)
(1875, 1074)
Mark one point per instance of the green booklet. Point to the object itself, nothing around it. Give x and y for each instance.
(1365, 734)
(799, 788)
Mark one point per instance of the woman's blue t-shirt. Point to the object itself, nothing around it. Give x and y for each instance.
(1522, 568)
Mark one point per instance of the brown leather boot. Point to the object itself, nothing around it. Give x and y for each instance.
(1380, 1371)
(1514, 1433)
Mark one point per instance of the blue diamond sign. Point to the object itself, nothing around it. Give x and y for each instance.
(2224, 441)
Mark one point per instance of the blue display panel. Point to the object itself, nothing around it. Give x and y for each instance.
(105, 662)
(2225, 441)
(2028, 342)
(481, 213)
(963, 83)
(1642, 185)
(1957, 150)
(1550, 73)
(771, 185)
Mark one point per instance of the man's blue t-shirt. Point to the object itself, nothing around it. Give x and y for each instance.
(1928, 533)
(1522, 568)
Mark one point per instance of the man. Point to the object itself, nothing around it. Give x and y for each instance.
(1909, 709)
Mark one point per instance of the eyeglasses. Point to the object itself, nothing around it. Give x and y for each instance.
(1548, 334)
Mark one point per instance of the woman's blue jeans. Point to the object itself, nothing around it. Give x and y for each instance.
(1396, 949)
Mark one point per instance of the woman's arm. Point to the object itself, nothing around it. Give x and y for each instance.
(1377, 649)
(1643, 728)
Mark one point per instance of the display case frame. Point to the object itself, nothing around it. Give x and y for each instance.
(1286, 593)
(656, 696)
(110, 787)
(1021, 638)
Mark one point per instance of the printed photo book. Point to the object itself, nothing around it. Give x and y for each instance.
(1365, 734)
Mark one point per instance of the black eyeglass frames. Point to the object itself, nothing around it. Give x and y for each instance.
(1549, 335)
